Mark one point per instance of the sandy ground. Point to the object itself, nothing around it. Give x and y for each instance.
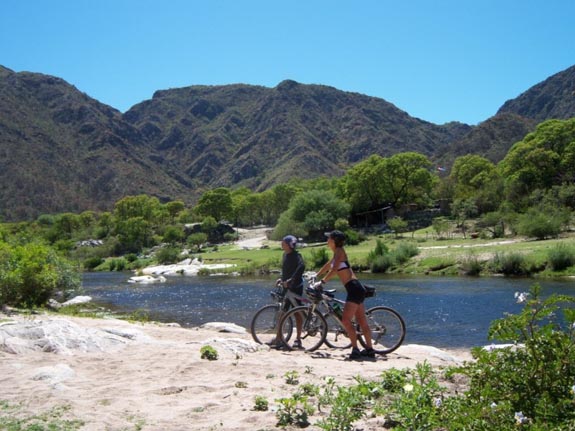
(115, 375)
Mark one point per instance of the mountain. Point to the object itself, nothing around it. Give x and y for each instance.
(62, 151)
(492, 139)
(257, 136)
(552, 98)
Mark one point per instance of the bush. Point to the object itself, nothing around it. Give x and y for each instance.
(319, 257)
(535, 377)
(561, 257)
(167, 255)
(209, 353)
(31, 274)
(380, 264)
(471, 265)
(404, 251)
(538, 225)
(509, 264)
(92, 262)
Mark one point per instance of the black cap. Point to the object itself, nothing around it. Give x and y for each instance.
(336, 235)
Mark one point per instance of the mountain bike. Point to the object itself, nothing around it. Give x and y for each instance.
(322, 323)
(265, 323)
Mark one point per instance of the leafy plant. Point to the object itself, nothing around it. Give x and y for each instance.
(294, 411)
(261, 403)
(209, 353)
(536, 374)
(292, 377)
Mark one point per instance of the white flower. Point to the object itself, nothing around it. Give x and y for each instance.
(408, 387)
(520, 418)
(493, 405)
(437, 402)
(573, 389)
(521, 297)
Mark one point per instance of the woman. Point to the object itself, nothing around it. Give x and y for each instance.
(354, 306)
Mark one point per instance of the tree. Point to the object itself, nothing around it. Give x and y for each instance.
(311, 213)
(407, 179)
(398, 225)
(363, 185)
(145, 207)
(543, 159)
(216, 203)
(474, 177)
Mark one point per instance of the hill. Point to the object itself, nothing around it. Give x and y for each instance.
(64, 151)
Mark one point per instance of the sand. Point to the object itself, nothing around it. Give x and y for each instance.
(116, 375)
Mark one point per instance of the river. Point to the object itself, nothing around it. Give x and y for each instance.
(446, 312)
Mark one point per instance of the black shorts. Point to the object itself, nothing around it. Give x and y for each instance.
(355, 291)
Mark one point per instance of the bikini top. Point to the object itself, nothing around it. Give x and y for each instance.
(342, 265)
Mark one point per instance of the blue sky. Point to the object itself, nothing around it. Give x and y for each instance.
(438, 60)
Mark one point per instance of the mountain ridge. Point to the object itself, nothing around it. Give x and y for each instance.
(63, 151)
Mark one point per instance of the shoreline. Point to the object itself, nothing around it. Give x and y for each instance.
(114, 374)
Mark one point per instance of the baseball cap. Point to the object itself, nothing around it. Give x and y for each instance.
(336, 234)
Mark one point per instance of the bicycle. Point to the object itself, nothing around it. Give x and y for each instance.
(386, 325)
(264, 324)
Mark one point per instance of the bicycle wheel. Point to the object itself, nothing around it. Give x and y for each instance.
(387, 329)
(264, 325)
(336, 336)
(313, 332)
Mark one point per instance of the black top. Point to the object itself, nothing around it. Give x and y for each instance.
(293, 267)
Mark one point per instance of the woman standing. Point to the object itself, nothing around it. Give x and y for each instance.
(354, 306)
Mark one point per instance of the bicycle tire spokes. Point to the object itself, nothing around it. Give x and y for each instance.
(336, 336)
(264, 326)
(313, 332)
(387, 329)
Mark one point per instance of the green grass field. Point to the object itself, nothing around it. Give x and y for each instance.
(435, 256)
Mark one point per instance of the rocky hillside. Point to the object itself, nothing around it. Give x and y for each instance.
(61, 150)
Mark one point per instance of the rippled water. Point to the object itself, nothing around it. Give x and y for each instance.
(443, 312)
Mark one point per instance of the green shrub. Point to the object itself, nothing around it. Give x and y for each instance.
(536, 375)
(92, 263)
(261, 404)
(209, 353)
(319, 257)
(509, 264)
(537, 224)
(381, 264)
(561, 257)
(404, 251)
(30, 274)
(168, 255)
(471, 265)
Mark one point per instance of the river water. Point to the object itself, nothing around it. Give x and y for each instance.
(443, 312)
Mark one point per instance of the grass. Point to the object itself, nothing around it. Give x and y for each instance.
(436, 256)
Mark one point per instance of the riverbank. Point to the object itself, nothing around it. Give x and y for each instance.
(116, 375)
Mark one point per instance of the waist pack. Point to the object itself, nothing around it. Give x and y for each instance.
(369, 291)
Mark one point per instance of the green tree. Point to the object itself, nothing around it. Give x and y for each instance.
(363, 185)
(216, 203)
(407, 179)
(474, 177)
(317, 210)
(398, 225)
(142, 206)
(541, 160)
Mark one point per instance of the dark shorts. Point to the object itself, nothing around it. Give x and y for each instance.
(355, 291)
